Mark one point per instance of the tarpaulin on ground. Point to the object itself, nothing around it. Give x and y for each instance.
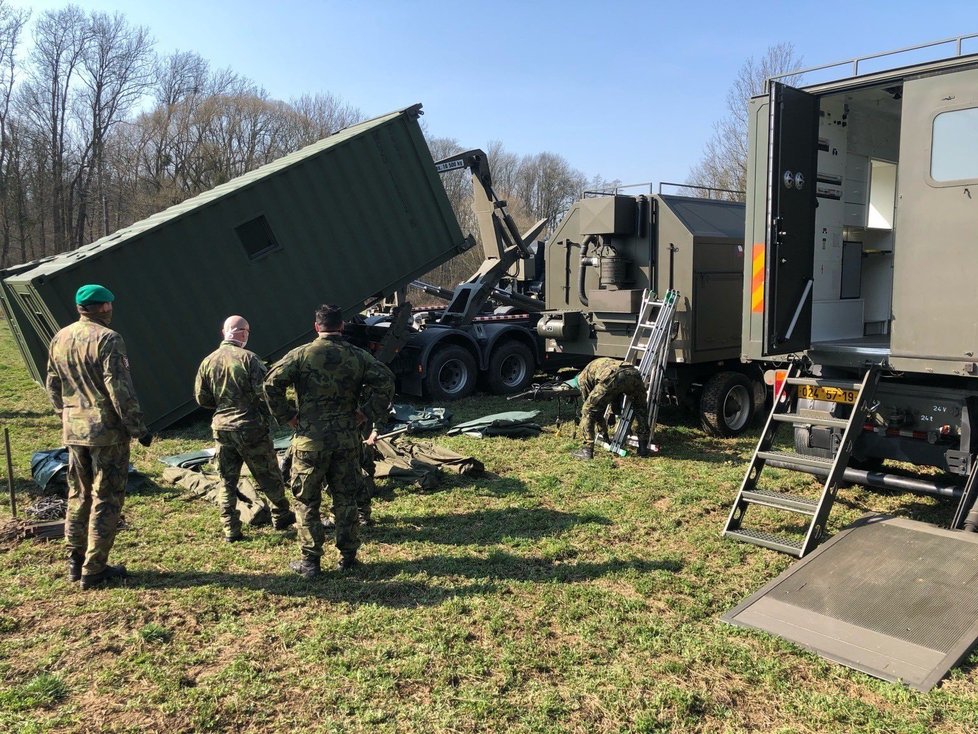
(417, 420)
(515, 424)
(252, 506)
(421, 462)
(49, 468)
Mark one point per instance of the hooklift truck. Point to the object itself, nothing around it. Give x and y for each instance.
(862, 209)
(444, 352)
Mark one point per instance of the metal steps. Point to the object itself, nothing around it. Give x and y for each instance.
(831, 468)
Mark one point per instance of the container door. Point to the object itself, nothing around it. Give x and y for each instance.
(790, 250)
(935, 298)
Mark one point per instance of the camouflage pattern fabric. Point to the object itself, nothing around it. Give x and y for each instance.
(254, 448)
(333, 380)
(96, 492)
(229, 382)
(368, 466)
(89, 385)
(310, 470)
(605, 381)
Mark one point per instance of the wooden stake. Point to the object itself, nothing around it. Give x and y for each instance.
(10, 473)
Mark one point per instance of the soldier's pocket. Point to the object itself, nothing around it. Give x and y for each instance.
(300, 475)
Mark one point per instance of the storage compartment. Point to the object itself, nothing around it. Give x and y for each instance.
(859, 138)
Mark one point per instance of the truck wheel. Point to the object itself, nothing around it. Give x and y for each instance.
(727, 404)
(511, 368)
(451, 373)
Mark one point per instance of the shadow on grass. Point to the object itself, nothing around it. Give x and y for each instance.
(433, 580)
(20, 414)
(482, 527)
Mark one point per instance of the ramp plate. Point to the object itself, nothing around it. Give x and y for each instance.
(894, 598)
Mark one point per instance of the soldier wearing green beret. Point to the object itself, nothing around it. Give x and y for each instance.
(338, 387)
(229, 382)
(602, 382)
(89, 385)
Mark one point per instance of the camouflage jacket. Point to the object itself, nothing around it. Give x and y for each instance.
(229, 382)
(89, 385)
(332, 380)
(596, 371)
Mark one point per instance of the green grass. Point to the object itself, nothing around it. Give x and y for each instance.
(548, 596)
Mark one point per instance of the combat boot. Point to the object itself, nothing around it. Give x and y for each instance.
(285, 521)
(308, 567)
(644, 451)
(585, 452)
(348, 562)
(109, 573)
(236, 538)
(76, 559)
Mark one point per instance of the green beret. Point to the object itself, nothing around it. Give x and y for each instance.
(93, 293)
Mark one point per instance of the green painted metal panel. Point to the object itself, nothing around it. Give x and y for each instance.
(352, 217)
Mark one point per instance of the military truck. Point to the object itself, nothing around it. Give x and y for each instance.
(609, 248)
(861, 220)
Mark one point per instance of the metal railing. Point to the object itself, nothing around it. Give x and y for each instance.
(651, 187)
(854, 63)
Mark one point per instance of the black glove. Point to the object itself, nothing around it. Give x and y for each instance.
(146, 439)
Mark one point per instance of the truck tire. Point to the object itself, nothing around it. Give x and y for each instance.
(511, 368)
(727, 404)
(451, 373)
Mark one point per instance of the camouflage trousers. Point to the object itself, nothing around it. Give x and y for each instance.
(367, 489)
(96, 493)
(254, 448)
(626, 381)
(338, 466)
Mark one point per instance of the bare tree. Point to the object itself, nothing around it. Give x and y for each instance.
(315, 117)
(116, 72)
(11, 24)
(60, 37)
(724, 161)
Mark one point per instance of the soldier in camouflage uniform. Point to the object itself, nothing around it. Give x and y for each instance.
(605, 381)
(338, 387)
(368, 465)
(229, 382)
(89, 386)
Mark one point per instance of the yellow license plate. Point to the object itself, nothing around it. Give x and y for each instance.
(831, 394)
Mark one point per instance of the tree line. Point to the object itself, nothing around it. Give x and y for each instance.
(98, 130)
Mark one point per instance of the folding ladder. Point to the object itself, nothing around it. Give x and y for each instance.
(831, 468)
(648, 350)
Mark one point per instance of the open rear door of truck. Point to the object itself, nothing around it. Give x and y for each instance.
(790, 250)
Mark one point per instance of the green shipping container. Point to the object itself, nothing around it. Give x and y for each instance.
(346, 220)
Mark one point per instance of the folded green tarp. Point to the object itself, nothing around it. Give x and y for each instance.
(515, 424)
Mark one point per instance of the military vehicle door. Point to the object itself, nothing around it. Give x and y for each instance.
(935, 298)
(790, 250)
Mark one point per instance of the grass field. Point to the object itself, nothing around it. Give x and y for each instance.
(549, 595)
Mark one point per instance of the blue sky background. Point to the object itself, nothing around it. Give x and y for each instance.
(626, 90)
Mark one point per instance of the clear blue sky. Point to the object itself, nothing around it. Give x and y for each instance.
(626, 90)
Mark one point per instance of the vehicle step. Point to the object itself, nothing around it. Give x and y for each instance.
(795, 418)
(819, 382)
(767, 540)
(781, 501)
(796, 461)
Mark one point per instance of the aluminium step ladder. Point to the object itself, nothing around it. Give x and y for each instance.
(831, 468)
(648, 350)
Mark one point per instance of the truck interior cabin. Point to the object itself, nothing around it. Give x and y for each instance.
(855, 236)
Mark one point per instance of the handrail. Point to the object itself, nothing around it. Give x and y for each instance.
(650, 185)
(958, 40)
